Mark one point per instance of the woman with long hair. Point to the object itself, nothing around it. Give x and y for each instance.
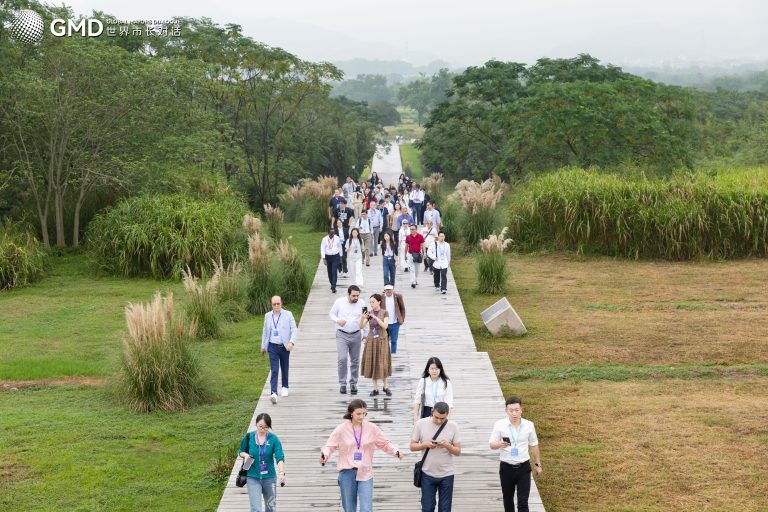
(356, 439)
(260, 450)
(354, 249)
(389, 255)
(377, 361)
(434, 386)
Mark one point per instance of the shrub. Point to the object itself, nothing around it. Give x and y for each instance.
(251, 224)
(231, 291)
(451, 215)
(261, 282)
(161, 235)
(433, 184)
(478, 201)
(724, 215)
(158, 369)
(275, 218)
(202, 306)
(22, 257)
(295, 285)
(307, 202)
(492, 264)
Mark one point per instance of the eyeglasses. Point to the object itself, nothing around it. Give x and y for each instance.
(276, 303)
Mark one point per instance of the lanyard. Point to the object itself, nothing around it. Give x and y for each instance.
(358, 442)
(435, 385)
(441, 249)
(329, 245)
(262, 454)
(274, 324)
(512, 437)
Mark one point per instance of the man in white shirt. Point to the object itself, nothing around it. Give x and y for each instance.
(348, 188)
(417, 197)
(345, 314)
(330, 252)
(513, 436)
(433, 215)
(365, 227)
(440, 253)
(437, 467)
(278, 337)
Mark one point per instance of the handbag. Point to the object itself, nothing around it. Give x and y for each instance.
(417, 472)
(242, 475)
(416, 256)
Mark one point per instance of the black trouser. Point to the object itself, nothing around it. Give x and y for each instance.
(332, 264)
(440, 277)
(515, 477)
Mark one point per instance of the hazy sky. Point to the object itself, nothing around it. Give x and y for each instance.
(462, 32)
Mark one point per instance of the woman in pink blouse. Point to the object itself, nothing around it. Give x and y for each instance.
(356, 439)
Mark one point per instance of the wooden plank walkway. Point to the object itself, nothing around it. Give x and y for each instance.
(435, 325)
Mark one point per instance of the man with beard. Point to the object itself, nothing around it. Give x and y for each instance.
(345, 314)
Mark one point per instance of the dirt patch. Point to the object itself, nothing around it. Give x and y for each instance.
(18, 385)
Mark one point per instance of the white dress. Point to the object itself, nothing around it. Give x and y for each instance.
(403, 251)
(355, 260)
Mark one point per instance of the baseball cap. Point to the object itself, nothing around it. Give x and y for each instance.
(389, 287)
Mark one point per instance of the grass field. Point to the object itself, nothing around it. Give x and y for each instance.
(65, 444)
(647, 380)
(408, 128)
(411, 158)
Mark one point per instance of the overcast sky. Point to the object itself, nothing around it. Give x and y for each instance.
(462, 32)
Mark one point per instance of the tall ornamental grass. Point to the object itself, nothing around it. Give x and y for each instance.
(307, 202)
(434, 185)
(160, 235)
(251, 224)
(478, 201)
(202, 305)
(722, 215)
(451, 216)
(231, 291)
(158, 369)
(261, 281)
(275, 218)
(492, 264)
(22, 257)
(295, 285)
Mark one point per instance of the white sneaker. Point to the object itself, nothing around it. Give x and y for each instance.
(273, 398)
(284, 392)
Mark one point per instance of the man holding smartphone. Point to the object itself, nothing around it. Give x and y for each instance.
(513, 436)
(437, 471)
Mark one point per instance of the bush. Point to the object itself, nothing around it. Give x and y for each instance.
(158, 369)
(307, 202)
(275, 218)
(161, 235)
(433, 185)
(295, 285)
(451, 215)
(478, 201)
(261, 282)
(492, 264)
(202, 306)
(724, 215)
(22, 257)
(231, 291)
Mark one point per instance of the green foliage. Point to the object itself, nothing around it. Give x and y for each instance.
(275, 218)
(231, 292)
(160, 235)
(158, 369)
(371, 89)
(262, 282)
(509, 119)
(424, 94)
(476, 225)
(387, 113)
(22, 258)
(295, 286)
(452, 216)
(491, 272)
(722, 215)
(411, 158)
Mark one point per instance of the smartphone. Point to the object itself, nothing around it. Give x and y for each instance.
(248, 463)
(506, 440)
(365, 309)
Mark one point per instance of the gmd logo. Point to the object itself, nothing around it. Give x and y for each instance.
(26, 26)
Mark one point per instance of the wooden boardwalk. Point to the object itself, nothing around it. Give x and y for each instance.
(435, 325)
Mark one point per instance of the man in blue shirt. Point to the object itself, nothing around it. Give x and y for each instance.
(277, 339)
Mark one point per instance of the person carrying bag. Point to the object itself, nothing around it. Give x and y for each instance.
(417, 472)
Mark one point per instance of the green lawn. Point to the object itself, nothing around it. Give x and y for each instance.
(70, 446)
(411, 158)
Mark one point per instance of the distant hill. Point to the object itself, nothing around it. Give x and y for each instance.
(395, 70)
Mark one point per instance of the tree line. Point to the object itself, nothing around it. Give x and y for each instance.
(85, 121)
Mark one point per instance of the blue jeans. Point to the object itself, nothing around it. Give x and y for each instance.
(278, 360)
(389, 270)
(353, 492)
(266, 487)
(430, 486)
(394, 332)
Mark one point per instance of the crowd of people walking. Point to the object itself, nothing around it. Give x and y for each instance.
(402, 225)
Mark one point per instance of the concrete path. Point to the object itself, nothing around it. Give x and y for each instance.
(435, 325)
